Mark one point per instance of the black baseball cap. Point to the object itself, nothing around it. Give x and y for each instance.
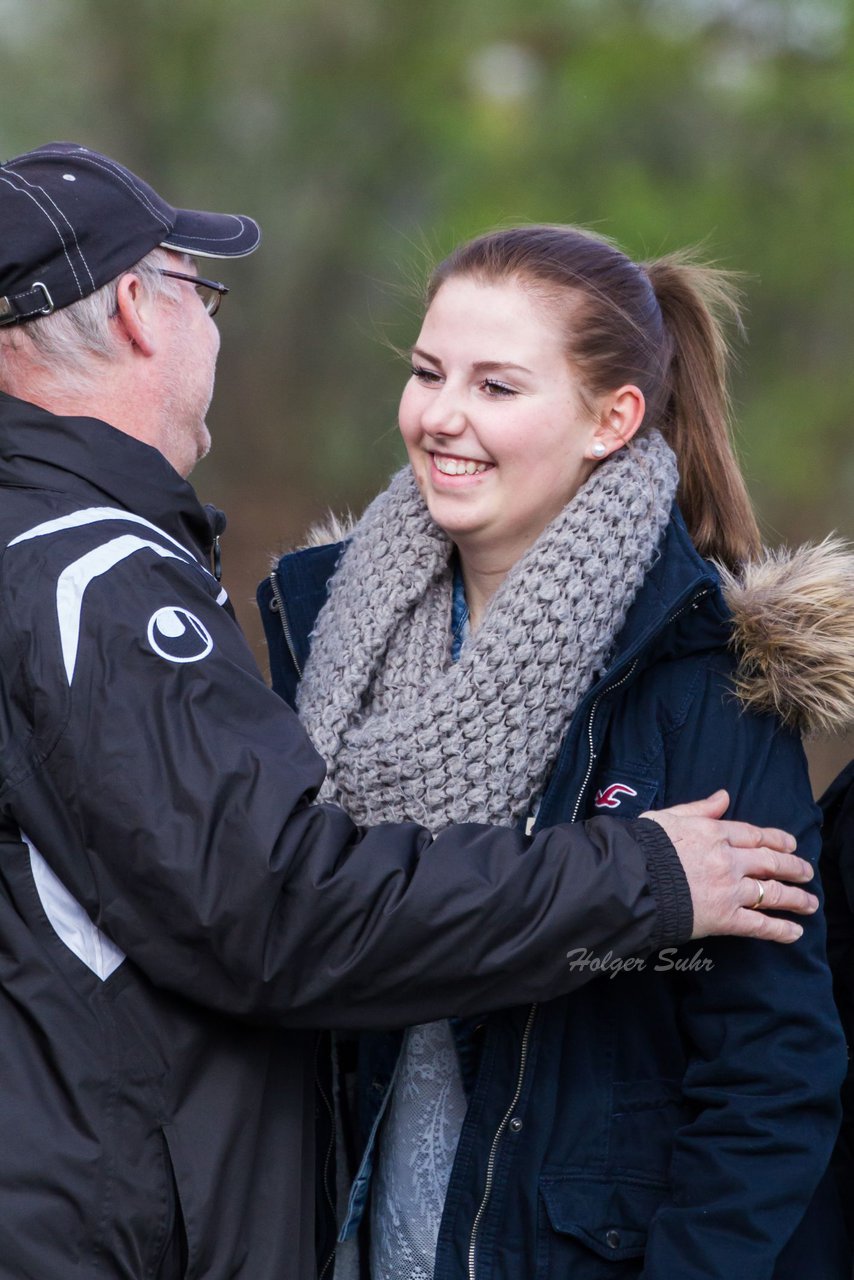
(71, 220)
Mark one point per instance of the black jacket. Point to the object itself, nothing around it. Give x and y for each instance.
(179, 917)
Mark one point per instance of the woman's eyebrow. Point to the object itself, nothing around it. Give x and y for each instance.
(491, 366)
(425, 355)
(479, 366)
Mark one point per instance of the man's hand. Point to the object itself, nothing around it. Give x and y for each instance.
(736, 871)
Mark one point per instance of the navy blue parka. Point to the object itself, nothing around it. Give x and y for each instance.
(672, 1119)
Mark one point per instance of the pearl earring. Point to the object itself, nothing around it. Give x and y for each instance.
(599, 449)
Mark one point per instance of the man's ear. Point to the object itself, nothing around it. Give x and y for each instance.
(622, 413)
(135, 312)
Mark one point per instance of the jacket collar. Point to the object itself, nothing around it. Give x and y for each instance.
(679, 580)
(94, 463)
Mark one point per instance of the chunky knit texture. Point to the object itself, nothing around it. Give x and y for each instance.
(409, 735)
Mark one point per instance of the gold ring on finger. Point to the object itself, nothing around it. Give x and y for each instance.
(760, 885)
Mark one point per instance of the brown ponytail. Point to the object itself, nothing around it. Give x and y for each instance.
(695, 302)
(659, 326)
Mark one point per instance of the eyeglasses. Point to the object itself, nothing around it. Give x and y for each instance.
(210, 291)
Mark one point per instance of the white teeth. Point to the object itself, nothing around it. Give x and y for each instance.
(458, 466)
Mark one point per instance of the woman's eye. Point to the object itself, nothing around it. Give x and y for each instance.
(429, 376)
(498, 389)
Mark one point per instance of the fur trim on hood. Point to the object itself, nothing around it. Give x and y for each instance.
(331, 528)
(793, 619)
(793, 614)
(323, 533)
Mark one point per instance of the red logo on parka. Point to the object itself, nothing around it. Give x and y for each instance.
(609, 797)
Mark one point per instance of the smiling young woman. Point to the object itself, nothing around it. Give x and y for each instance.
(524, 628)
(499, 433)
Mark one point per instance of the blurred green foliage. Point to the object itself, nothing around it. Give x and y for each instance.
(368, 136)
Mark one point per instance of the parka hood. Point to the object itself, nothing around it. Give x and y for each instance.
(793, 633)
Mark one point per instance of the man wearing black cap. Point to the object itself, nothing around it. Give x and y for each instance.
(176, 916)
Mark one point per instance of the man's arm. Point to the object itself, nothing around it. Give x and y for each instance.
(173, 798)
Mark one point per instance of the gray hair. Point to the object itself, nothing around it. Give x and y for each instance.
(69, 342)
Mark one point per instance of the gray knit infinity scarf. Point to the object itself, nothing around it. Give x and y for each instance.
(409, 735)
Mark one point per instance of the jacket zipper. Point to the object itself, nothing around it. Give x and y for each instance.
(523, 1057)
(689, 604)
(526, 1037)
(490, 1168)
(279, 607)
(591, 759)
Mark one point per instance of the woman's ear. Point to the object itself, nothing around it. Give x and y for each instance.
(135, 312)
(622, 413)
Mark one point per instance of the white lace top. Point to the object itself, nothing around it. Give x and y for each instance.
(418, 1144)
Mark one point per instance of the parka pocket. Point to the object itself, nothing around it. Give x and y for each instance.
(595, 1228)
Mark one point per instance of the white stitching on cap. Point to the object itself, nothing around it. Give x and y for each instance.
(35, 187)
(25, 315)
(218, 239)
(5, 176)
(98, 163)
(113, 168)
(212, 253)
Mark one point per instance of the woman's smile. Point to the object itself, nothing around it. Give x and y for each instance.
(448, 465)
(493, 418)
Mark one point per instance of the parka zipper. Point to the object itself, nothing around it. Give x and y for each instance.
(532, 1012)
(278, 606)
(493, 1152)
(591, 759)
(689, 604)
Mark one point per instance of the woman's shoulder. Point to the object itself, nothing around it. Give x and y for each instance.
(762, 655)
(305, 571)
(291, 598)
(778, 632)
(305, 567)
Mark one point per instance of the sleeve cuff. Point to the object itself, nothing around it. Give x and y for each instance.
(668, 882)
